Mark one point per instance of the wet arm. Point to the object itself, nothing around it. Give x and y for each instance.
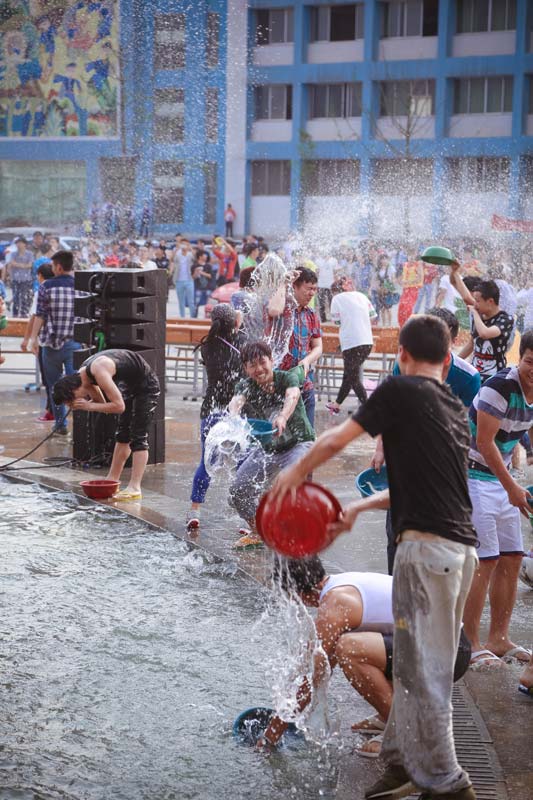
(467, 349)
(115, 402)
(483, 331)
(313, 355)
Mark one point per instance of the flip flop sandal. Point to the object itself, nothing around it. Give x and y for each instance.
(361, 751)
(482, 658)
(371, 726)
(527, 690)
(248, 543)
(124, 496)
(513, 654)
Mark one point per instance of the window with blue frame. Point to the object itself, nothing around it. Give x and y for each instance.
(212, 39)
(169, 41)
(273, 101)
(335, 100)
(168, 186)
(477, 16)
(337, 23)
(478, 174)
(273, 26)
(407, 98)
(330, 177)
(169, 115)
(271, 178)
(210, 192)
(409, 18)
(211, 114)
(483, 95)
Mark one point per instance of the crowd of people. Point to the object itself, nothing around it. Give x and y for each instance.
(447, 425)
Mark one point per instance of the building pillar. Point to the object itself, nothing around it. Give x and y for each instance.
(235, 182)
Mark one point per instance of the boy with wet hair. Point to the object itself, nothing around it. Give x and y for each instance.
(273, 395)
(425, 438)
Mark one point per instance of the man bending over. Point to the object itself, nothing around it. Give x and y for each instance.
(117, 382)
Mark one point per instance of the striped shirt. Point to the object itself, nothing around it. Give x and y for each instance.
(501, 397)
(55, 305)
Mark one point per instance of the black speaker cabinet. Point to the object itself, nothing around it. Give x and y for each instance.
(116, 282)
(134, 309)
(131, 334)
(94, 438)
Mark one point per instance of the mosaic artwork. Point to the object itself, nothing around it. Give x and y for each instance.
(59, 68)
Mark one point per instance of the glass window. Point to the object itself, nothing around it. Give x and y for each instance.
(278, 108)
(330, 177)
(342, 23)
(413, 18)
(274, 26)
(406, 18)
(486, 15)
(507, 94)
(210, 193)
(273, 102)
(407, 98)
(461, 97)
(169, 115)
(169, 41)
(211, 114)
(319, 101)
(168, 192)
(277, 25)
(261, 26)
(477, 96)
(271, 178)
(320, 24)
(480, 15)
(354, 103)
(480, 95)
(335, 101)
(213, 35)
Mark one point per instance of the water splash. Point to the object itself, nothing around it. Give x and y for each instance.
(271, 279)
(226, 445)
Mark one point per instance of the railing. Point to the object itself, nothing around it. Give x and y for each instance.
(184, 367)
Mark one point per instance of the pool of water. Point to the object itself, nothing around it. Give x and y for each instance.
(124, 658)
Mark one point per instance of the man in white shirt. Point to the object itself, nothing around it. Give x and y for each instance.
(353, 311)
(447, 296)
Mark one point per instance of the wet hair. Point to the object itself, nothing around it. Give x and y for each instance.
(223, 317)
(65, 259)
(489, 290)
(448, 317)
(250, 247)
(426, 338)
(306, 276)
(46, 271)
(337, 287)
(252, 351)
(245, 277)
(526, 342)
(298, 575)
(63, 391)
(471, 283)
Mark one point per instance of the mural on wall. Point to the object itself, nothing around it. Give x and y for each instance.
(59, 68)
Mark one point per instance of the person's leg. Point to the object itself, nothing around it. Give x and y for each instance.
(180, 292)
(476, 602)
(526, 678)
(142, 407)
(248, 485)
(391, 543)
(15, 300)
(363, 659)
(26, 299)
(502, 596)
(191, 300)
(48, 408)
(53, 369)
(431, 580)
(349, 358)
(360, 356)
(202, 479)
(121, 453)
(69, 348)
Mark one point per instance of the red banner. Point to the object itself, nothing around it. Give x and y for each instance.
(508, 224)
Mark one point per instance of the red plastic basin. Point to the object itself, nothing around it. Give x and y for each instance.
(101, 489)
(299, 528)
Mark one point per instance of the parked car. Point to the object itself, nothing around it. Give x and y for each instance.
(222, 294)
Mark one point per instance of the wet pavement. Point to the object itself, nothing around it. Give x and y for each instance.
(508, 716)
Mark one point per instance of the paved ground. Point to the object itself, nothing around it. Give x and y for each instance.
(507, 715)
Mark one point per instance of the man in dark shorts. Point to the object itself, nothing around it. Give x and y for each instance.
(354, 625)
(425, 438)
(117, 382)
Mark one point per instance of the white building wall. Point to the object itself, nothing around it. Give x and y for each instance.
(470, 214)
(466, 125)
(407, 47)
(335, 52)
(388, 215)
(271, 130)
(236, 85)
(397, 128)
(330, 130)
(273, 55)
(270, 216)
(489, 43)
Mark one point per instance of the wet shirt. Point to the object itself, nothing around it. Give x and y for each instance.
(489, 354)
(266, 405)
(20, 266)
(425, 438)
(132, 371)
(501, 397)
(306, 326)
(222, 361)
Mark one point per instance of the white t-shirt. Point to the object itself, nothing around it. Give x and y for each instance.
(353, 311)
(326, 272)
(451, 294)
(376, 593)
(149, 265)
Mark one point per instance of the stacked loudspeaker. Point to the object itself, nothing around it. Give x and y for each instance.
(123, 309)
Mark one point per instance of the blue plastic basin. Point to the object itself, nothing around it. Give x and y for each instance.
(262, 430)
(369, 481)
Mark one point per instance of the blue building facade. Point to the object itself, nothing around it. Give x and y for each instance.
(163, 139)
(376, 116)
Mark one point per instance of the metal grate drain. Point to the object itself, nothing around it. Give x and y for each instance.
(474, 747)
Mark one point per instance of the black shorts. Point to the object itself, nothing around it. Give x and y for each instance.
(464, 652)
(135, 419)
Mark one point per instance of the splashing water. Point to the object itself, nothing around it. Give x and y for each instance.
(226, 445)
(270, 278)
